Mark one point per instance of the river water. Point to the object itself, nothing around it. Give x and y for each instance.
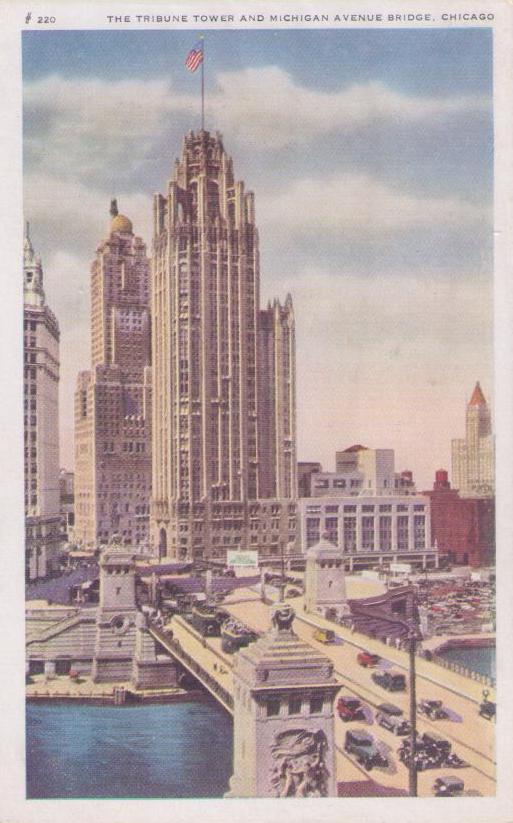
(159, 750)
(480, 660)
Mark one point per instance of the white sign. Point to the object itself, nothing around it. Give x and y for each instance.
(403, 568)
(242, 559)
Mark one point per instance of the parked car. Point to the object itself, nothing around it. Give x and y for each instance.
(433, 709)
(392, 718)
(363, 746)
(391, 681)
(448, 787)
(487, 709)
(350, 708)
(367, 659)
(324, 635)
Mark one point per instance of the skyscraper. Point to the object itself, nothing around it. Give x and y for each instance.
(223, 391)
(113, 399)
(41, 419)
(473, 458)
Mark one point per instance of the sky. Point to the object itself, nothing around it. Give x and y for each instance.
(370, 153)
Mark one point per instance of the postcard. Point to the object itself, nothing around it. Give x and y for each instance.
(258, 315)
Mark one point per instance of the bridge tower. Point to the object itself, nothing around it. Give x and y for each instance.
(283, 716)
(325, 584)
(116, 616)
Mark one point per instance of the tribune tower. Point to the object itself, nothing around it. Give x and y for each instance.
(211, 384)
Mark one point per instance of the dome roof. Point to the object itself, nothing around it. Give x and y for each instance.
(121, 223)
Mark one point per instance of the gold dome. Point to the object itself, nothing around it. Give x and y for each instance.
(121, 223)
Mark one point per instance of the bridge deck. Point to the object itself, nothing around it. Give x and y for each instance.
(472, 736)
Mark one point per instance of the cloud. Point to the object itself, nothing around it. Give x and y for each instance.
(83, 126)
(97, 125)
(73, 215)
(362, 204)
(278, 111)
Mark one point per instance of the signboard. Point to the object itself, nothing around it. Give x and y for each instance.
(401, 568)
(242, 559)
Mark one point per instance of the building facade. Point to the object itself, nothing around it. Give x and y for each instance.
(473, 458)
(463, 528)
(305, 473)
(220, 367)
(362, 471)
(113, 399)
(67, 504)
(369, 530)
(41, 421)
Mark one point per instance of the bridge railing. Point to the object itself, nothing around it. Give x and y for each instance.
(194, 667)
(463, 670)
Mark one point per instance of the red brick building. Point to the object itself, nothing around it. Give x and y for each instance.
(463, 528)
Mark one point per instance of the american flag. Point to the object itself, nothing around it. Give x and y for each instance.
(195, 56)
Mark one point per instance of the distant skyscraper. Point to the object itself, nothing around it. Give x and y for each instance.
(224, 408)
(41, 418)
(113, 400)
(473, 459)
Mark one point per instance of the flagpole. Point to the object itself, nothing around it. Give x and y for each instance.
(203, 87)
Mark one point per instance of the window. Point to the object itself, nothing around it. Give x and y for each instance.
(331, 526)
(385, 508)
(349, 534)
(419, 531)
(367, 508)
(350, 508)
(368, 533)
(273, 706)
(331, 509)
(402, 533)
(385, 533)
(418, 507)
(316, 703)
(295, 704)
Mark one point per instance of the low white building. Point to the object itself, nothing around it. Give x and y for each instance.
(369, 530)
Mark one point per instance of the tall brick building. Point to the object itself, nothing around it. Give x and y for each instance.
(463, 528)
(224, 464)
(113, 399)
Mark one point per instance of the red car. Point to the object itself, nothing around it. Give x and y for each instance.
(350, 708)
(367, 659)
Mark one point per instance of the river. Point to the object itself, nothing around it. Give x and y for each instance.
(158, 750)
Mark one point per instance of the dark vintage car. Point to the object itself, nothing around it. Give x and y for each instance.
(350, 708)
(431, 752)
(487, 709)
(433, 709)
(448, 787)
(362, 745)
(367, 659)
(392, 718)
(391, 681)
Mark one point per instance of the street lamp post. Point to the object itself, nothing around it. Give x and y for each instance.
(412, 647)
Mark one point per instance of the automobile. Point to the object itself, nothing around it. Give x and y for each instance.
(392, 718)
(292, 592)
(487, 709)
(448, 786)
(363, 746)
(391, 681)
(433, 709)
(350, 708)
(434, 742)
(324, 635)
(367, 659)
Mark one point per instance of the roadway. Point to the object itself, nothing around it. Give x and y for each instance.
(472, 736)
